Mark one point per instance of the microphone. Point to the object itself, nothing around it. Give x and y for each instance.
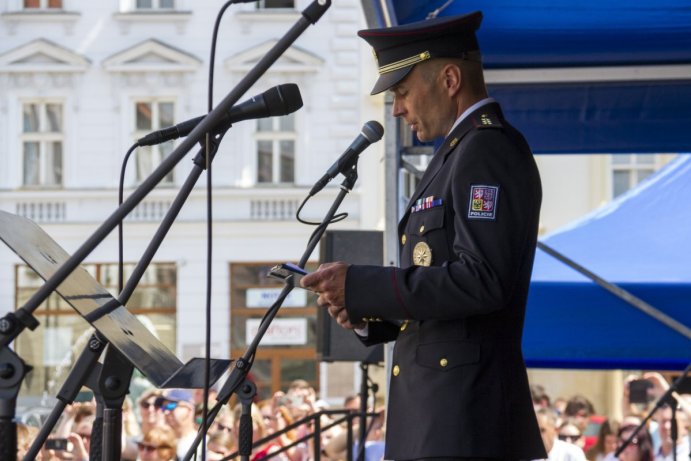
(371, 132)
(279, 100)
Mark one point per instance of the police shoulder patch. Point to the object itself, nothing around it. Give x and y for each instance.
(483, 202)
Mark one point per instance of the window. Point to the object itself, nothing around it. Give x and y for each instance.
(42, 4)
(275, 4)
(276, 150)
(155, 4)
(151, 116)
(630, 169)
(288, 350)
(42, 142)
(62, 334)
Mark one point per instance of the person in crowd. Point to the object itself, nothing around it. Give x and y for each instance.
(570, 433)
(467, 240)
(158, 444)
(665, 452)
(559, 405)
(352, 402)
(198, 397)
(606, 441)
(539, 396)
(25, 437)
(374, 442)
(258, 432)
(219, 445)
(150, 415)
(557, 450)
(579, 410)
(223, 422)
(336, 448)
(179, 414)
(640, 448)
(277, 416)
(131, 431)
(78, 440)
(72, 415)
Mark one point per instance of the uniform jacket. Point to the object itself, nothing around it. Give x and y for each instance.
(459, 386)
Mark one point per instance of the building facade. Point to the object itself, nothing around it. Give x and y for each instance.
(81, 81)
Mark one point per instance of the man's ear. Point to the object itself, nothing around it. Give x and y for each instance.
(452, 78)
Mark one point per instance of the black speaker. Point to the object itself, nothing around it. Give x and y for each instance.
(334, 343)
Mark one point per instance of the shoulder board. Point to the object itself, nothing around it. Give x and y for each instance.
(486, 120)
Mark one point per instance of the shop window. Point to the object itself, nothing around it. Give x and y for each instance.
(288, 350)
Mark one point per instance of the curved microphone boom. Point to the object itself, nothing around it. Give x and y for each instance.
(279, 100)
(372, 131)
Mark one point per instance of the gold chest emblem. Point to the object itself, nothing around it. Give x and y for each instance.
(422, 254)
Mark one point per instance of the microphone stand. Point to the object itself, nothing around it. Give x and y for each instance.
(666, 398)
(12, 368)
(237, 381)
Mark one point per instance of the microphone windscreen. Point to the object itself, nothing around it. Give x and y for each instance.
(283, 99)
(373, 131)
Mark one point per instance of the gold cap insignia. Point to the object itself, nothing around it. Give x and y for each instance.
(404, 62)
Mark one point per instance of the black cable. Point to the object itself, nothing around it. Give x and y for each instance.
(209, 229)
(335, 219)
(121, 263)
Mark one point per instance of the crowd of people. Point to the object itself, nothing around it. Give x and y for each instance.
(564, 425)
(162, 426)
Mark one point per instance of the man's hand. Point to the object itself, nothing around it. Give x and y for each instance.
(328, 281)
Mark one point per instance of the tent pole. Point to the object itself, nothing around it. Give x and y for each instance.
(620, 293)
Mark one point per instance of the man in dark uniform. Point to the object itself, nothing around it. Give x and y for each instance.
(455, 307)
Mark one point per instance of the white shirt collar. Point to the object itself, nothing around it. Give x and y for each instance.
(470, 110)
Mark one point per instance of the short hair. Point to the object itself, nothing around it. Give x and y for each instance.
(164, 438)
(578, 403)
(472, 74)
(538, 393)
(146, 395)
(350, 398)
(299, 384)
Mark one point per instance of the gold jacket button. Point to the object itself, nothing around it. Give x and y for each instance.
(404, 325)
(396, 370)
(422, 228)
(364, 319)
(403, 239)
(443, 362)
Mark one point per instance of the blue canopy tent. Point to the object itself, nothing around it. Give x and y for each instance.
(640, 242)
(596, 76)
(635, 92)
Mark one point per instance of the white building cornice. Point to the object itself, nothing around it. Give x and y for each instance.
(21, 17)
(152, 56)
(42, 56)
(177, 18)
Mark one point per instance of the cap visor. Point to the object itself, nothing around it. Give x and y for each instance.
(390, 79)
